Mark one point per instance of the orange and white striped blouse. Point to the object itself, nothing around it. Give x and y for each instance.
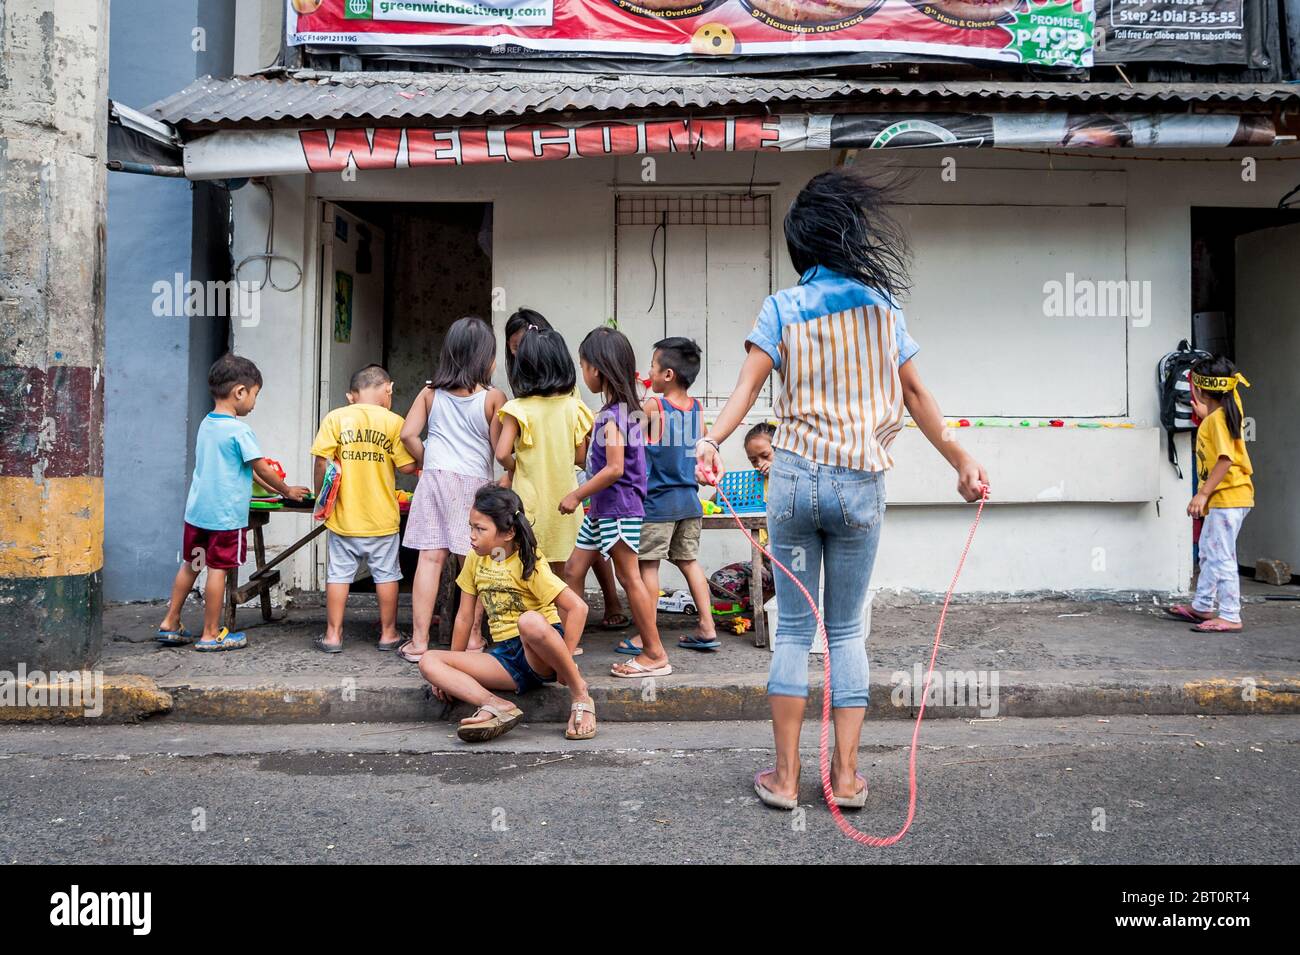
(837, 345)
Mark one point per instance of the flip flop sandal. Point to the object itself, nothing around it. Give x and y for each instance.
(582, 707)
(628, 647)
(612, 622)
(174, 638)
(324, 647)
(225, 640)
(1183, 612)
(770, 798)
(1217, 628)
(502, 721)
(390, 647)
(857, 800)
(699, 642)
(641, 671)
(408, 655)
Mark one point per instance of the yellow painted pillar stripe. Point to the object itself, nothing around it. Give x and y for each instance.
(51, 529)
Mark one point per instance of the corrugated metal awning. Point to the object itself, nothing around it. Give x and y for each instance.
(211, 103)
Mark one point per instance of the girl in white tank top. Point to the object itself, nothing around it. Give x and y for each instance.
(459, 410)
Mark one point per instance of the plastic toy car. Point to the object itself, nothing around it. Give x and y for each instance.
(679, 601)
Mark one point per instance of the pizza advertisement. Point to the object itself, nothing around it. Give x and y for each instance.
(1039, 32)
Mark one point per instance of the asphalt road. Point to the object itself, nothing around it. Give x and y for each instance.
(1137, 789)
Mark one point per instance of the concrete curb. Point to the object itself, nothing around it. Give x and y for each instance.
(119, 699)
(741, 697)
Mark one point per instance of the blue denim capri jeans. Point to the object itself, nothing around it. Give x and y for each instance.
(818, 515)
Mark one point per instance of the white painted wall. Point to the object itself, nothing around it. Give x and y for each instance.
(553, 251)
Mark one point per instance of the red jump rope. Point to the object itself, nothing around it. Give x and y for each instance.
(845, 826)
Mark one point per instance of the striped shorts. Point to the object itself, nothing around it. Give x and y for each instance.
(602, 533)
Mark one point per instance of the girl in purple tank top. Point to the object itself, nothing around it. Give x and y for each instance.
(612, 526)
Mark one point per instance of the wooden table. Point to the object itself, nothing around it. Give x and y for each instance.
(265, 576)
(753, 523)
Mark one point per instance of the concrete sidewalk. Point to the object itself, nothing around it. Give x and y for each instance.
(1042, 658)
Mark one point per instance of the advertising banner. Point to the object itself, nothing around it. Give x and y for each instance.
(271, 152)
(1202, 32)
(1040, 32)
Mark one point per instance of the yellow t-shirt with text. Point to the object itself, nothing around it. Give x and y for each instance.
(506, 595)
(1213, 440)
(366, 442)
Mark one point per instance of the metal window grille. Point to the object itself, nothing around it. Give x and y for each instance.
(720, 209)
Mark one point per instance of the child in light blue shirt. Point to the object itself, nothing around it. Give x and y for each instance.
(226, 458)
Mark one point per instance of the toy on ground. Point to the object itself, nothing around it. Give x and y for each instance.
(679, 601)
(724, 609)
(742, 624)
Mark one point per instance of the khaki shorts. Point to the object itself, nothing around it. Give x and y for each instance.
(671, 540)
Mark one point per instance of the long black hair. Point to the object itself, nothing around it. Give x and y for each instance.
(468, 352)
(1220, 367)
(609, 352)
(523, 320)
(543, 366)
(503, 507)
(839, 221)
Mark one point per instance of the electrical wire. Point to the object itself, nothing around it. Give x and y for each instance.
(269, 255)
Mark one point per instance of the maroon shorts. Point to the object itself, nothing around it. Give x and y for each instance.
(220, 550)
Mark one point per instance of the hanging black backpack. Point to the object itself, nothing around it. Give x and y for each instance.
(1175, 389)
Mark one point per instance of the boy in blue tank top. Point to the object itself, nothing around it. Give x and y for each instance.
(671, 531)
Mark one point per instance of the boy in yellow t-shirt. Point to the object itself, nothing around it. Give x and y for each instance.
(364, 438)
(1225, 494)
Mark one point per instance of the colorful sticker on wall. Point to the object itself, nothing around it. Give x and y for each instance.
(342, 307)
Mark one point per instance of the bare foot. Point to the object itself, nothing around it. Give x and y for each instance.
(1218, 625)
(481, 715)
(581, 726)
(845, 783)
(649, 663)
(772, 782)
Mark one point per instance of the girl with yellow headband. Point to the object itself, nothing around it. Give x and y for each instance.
(1224, 496)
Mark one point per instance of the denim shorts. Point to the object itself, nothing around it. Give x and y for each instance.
(510, 654)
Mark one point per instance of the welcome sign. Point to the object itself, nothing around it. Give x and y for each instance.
(1039, 32)
(280, 152)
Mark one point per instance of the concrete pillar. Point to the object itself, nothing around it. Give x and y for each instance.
(54, 72)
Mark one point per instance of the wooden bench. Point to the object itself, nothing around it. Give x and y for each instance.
(753, 523)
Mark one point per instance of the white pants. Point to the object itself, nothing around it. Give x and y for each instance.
(1218, 547)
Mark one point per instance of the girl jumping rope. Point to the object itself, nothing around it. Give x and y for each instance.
(459, 407)
(847, 370)
(1224, 496)
(529, 610)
